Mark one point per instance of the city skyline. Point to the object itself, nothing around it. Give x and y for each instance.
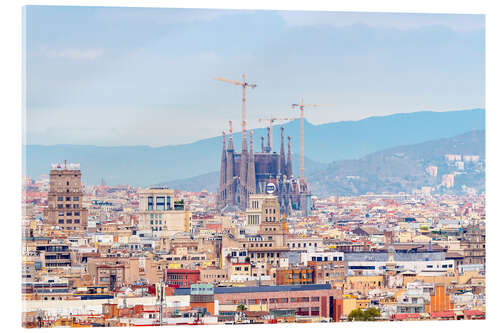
(170, 202)
(127, 77)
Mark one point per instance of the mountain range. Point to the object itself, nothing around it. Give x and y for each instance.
(324, 144)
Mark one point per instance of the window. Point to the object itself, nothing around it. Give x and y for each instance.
(60, 206)
(60, 221)
(75, 206)
(60, 213)
(150, 203)
(75, 198)
(68, 198)
(69, 213)
(69, 221)
(77, 214)
(60, 198)
(77, 220)
(160, 203)
(68, 206)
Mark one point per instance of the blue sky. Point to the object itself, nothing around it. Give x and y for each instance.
(133, 76)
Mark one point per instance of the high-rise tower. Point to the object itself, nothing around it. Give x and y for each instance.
(65, 200)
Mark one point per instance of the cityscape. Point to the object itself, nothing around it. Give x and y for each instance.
(272, 234)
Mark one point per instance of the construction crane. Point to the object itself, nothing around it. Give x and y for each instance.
(301, 107)
(271, 120)
(244, 84)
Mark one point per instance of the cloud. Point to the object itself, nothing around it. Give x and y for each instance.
(73, 54)
(166, 16)
(403, 21)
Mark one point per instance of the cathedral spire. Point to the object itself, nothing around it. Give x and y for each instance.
(229, 168)
(230, 145)
(282, 153)
(269, 140)
(251, 182)
(222, 179)
(289, 171)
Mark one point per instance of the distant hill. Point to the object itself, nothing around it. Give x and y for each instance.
(144, 165)
(402, 169)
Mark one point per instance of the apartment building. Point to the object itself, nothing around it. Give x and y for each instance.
(65, 199)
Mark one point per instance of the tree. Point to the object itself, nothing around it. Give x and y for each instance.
(356, 315)
(370, 314)
(241, 307)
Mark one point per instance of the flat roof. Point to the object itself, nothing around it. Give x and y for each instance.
(260, 289)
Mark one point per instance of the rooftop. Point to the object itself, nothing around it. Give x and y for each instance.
(260, 289)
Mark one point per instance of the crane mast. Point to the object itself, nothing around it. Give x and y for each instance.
(244, 84)
(301, 108)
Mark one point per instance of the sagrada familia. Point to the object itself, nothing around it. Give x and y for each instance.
(249, 172)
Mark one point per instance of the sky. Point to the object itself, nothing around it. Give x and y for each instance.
(138, 76)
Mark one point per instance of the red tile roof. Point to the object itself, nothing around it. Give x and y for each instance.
(443, 314)
(474, 313)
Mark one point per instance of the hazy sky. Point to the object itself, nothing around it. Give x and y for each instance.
(130, 76)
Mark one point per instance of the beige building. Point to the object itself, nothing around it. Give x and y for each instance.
(161, 213)
(65, 208)
(263, 218)
(263, 210)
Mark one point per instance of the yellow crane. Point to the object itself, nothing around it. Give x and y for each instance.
(271, 120)
(301, 106)
(244, 84)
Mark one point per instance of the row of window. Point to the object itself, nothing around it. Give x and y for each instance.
(68, 206)
(296, 276)
(176, 277)
(276, 300)
(304, 245)
(261, 245)
(61, 221)
(265, 254)
(253, 219)
(238, 268)
(67, 198)
(160, 203)
(184, 258)
(69, 213)
(326, 258)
